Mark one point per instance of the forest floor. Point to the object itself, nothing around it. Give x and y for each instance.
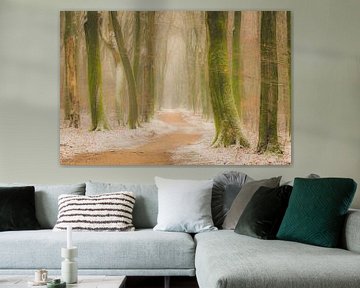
(176, 137)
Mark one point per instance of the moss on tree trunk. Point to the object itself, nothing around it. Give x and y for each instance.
(91, 27)
(268, 139)
(237, 79)
(226, 119)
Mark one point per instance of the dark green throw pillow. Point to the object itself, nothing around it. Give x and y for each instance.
(263, 214)
(316, 211)
(17, 208)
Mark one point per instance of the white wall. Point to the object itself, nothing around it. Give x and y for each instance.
(326, 97)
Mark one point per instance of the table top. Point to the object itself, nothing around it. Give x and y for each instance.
(84, 281)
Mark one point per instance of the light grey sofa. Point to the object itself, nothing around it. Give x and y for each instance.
(220, 259)
(143, 252)
(225, 259)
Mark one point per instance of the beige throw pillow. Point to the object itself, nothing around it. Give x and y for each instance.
(243, 198)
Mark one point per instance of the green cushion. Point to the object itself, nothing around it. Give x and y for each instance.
(316, 211)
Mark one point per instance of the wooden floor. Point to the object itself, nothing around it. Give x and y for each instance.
(158, 282)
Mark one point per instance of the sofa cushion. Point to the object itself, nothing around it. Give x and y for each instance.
(263, 215)
(225, 189)
(184, 205)
(317, 209)
(243, 198)
(142, 249)
(17, 208)
(225, 259)
(146, 205)
(46, 200)
(105, 212)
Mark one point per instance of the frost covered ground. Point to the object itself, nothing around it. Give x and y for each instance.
(190, 138)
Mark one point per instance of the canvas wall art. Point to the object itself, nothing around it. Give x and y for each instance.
(175, 88)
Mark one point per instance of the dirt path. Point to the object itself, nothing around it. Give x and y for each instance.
(156, 151)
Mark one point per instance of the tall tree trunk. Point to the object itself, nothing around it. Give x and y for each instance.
(162, 36)
(91, 27)
(72, 97)
(149, 72)
(110, 42)
(237, 79)
(137, 45)
(288, 27)
(200, 56)
(226, 119)
(191, 59)
(268, 139)
(133, 107)
(63, 87)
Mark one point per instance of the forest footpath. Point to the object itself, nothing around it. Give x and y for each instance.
(157, 149)
(176, 137)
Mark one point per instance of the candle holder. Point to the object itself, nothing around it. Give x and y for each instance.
(69, 266)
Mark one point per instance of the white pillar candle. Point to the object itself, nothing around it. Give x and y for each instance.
(69, 237)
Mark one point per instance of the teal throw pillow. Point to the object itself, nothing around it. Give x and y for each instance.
(316, 211)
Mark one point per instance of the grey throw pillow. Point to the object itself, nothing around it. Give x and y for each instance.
(184, 205)
(226, 187)
(242, 199)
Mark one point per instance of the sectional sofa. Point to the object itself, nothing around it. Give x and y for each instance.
(219, 259)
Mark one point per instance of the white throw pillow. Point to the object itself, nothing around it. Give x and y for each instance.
(184, 205)
(105, 212)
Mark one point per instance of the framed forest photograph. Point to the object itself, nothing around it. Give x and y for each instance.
(175, 88)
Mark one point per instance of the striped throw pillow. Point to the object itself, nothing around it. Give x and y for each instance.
(105, 212)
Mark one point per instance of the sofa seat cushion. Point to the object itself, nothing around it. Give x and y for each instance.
(225, 259)
(141, 249)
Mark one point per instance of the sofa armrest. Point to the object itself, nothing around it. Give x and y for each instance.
(351, 234)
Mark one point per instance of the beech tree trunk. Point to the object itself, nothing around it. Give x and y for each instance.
(107, 33)
(237, 81)
(149, 72)
(226, 119)
(288, 27)
(72, 99)
(268, 139)
(133, 121)
(91, 27)
(137, 45)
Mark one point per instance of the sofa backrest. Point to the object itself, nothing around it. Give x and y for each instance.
(146, 203)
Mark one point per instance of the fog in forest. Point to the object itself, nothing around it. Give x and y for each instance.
(175, 87)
